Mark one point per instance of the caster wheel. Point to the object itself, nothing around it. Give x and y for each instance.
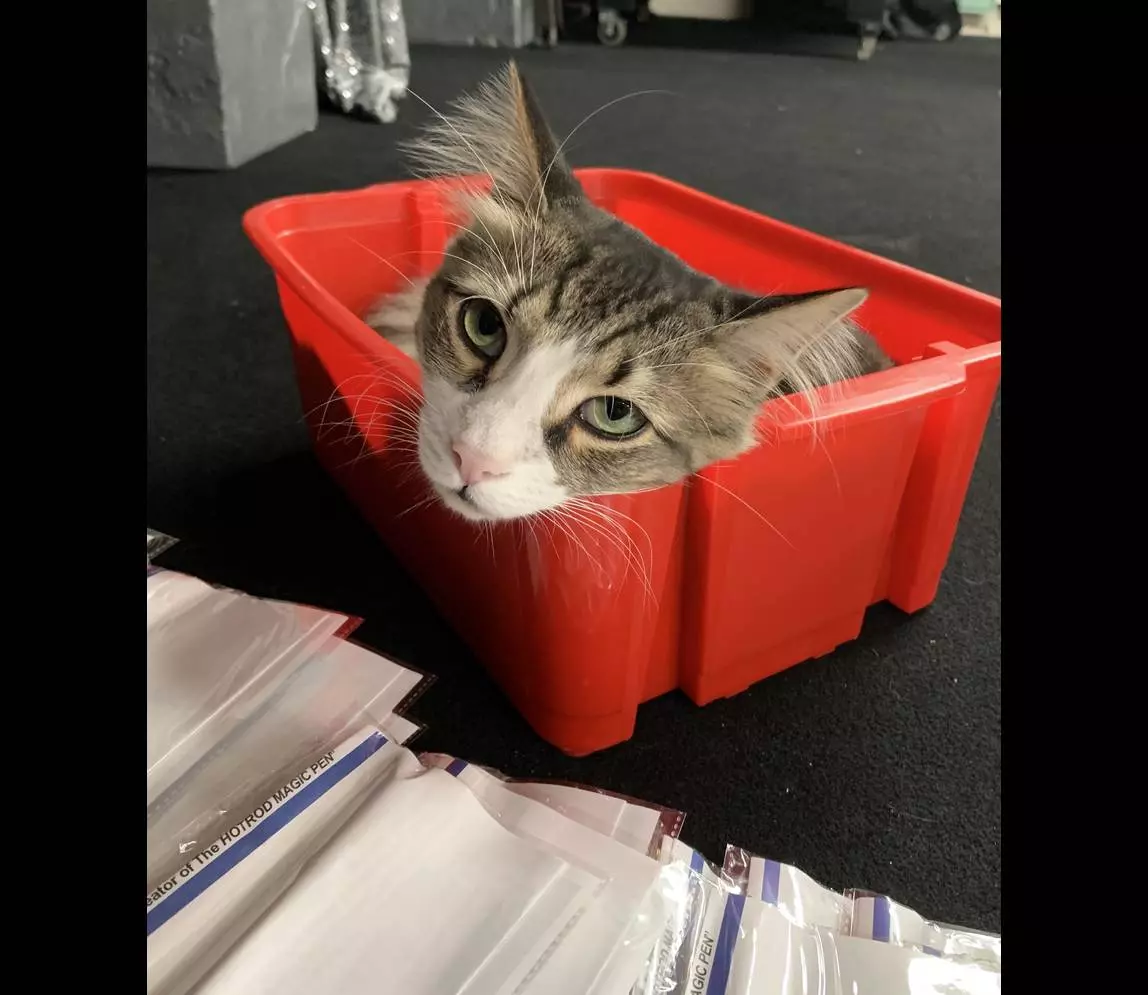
(611, 28)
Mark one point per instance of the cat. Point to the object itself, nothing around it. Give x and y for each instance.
(563, 354)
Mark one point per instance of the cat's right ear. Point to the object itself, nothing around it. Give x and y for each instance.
(799, 339)
(500, 131)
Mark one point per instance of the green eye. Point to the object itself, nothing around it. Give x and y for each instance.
(613, 416)
(483, 327)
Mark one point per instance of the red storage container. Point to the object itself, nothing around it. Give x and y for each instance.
(745, 569)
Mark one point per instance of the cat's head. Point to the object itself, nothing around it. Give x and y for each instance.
(564, 354)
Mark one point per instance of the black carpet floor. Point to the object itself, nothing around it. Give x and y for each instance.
(877, 767)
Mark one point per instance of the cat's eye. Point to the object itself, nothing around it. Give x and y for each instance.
(613, 416)
(483, 327)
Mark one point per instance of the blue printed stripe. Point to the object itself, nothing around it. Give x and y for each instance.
(695, 908)
(771, 882)
(244, 847)
(881, 919)
(727, 940)
(456, 767)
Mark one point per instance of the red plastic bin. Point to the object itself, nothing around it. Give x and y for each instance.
(710, 585)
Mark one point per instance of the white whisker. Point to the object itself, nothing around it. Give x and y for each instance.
(749, 507)
(385, 262)
(436, 152)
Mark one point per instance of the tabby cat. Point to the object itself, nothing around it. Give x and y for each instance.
(564, 354)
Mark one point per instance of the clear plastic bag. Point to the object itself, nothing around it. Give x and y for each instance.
(765, 943)
(266, 730)
(402, 730)
(220, 889)
(614, 935)
(338, 690)
(421, 891)
(682, 959)
(214, 657)
(734, 944)
(639, 825)
(860, 943)
(857, 913)
(791, 890)
(877, 917)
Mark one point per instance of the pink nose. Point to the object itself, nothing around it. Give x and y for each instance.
(474, 466)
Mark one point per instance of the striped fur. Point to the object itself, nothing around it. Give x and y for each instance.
(591, 307)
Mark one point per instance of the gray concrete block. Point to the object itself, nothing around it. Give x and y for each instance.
(227, 80)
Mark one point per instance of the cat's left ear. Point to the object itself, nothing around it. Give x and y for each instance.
(544, 167)
(799, 339)
(500, 131)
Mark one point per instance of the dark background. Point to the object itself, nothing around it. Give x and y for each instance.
(876, 767)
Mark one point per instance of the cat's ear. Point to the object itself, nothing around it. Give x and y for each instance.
(542, 156)
(500, 131)
(798, 340)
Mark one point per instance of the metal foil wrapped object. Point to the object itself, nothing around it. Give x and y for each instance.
(362, 54)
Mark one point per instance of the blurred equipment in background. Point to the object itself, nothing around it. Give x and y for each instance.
(924, 20)
(980, 18)
(613, 15)
(362, 54)
(226, 81)
(494, 23)
(868, 20)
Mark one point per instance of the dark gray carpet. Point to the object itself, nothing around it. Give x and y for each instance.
(877, 767)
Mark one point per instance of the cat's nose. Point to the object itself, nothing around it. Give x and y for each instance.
(474, 466)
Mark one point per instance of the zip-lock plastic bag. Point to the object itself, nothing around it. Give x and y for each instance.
(266, 729)
(636, 824)
(856, 912)
(606, 948)
(336, 691)
(877, 917)
(422, 892)
(741, 945)
(763, 952)
(239, 871)
(791, 890)
(683, 957)
(214, 657)
(784, 917)
(686, 886)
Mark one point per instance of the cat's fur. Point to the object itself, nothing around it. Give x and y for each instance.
(591, 307)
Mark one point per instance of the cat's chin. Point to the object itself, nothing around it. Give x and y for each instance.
(462, 507)
(476, 511)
